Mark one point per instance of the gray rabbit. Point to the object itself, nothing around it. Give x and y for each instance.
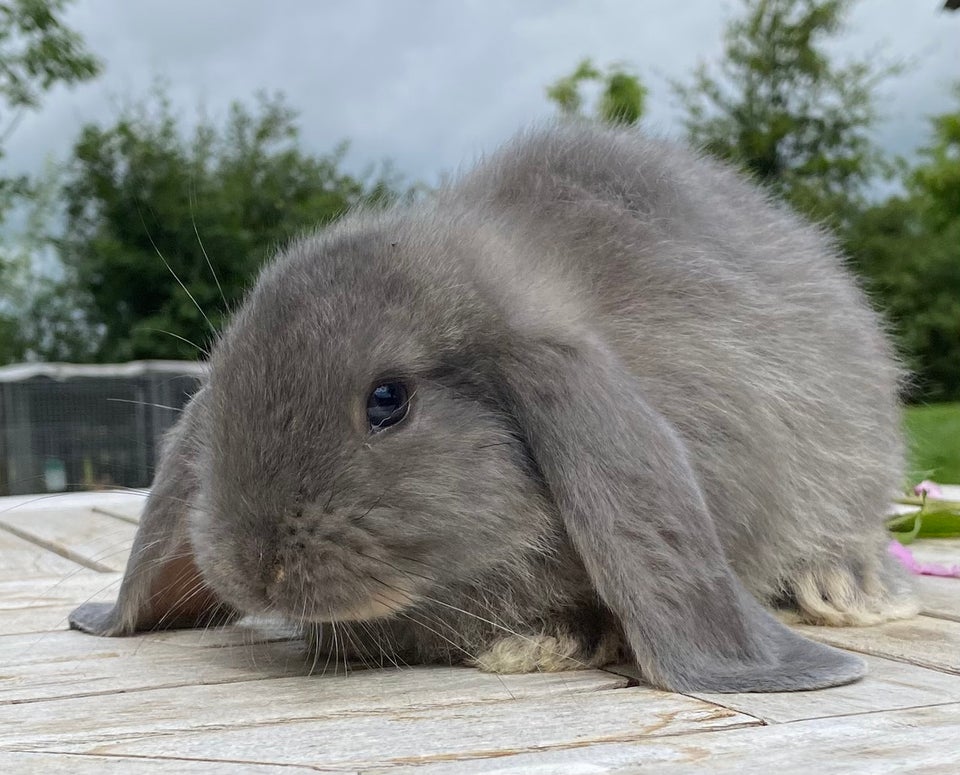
(597, 400)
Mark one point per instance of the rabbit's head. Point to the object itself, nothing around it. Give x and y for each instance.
(357, 454)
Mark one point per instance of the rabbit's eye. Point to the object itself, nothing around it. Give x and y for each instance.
(387, 404)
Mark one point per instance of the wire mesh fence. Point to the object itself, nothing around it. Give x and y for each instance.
(82, 427)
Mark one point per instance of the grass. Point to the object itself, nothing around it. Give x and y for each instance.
(934, 436)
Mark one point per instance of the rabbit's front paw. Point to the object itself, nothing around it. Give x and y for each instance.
(535, 653)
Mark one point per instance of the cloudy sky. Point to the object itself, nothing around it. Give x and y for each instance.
(431, 83)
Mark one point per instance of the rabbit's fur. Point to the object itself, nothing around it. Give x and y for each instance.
(642, 398)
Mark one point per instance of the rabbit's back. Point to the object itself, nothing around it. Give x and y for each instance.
(742, 325)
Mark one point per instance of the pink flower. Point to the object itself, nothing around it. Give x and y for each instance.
(911, 563)
(928, 488)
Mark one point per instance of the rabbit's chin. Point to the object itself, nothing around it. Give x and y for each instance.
(374, 608)
(395, 596)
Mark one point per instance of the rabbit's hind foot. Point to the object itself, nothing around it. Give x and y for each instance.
(841, 596)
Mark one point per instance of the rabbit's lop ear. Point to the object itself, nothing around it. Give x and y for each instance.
(630, 502)
(162, 587)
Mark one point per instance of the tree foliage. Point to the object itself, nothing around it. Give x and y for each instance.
(908, 249)
(37, 52)
(781, 108)
(621, 100)
(26, 288)
(166, 229)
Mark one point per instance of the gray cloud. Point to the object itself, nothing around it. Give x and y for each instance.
(432, 83)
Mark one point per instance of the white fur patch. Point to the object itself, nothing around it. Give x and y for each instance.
(537, 653)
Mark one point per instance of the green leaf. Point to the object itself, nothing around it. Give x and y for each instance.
(939, 523)
(906, 531)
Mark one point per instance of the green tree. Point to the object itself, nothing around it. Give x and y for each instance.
(908, 249)
(165, 229)
(37, 52)
(778, 106)
(622, 96)
(27, 286)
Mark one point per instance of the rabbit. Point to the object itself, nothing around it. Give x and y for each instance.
(598, 399)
